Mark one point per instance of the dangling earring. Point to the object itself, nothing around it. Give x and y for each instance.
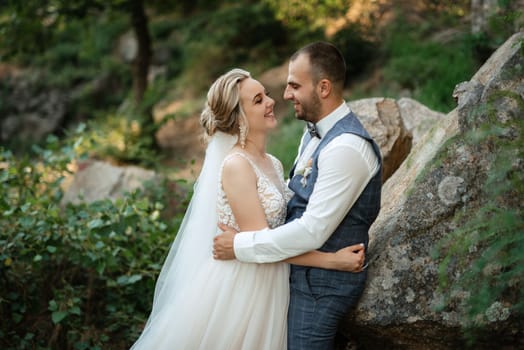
(242, 136)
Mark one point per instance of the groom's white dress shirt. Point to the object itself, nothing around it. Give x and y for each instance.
(345, 166)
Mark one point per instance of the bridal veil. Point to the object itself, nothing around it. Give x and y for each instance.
(194, 240)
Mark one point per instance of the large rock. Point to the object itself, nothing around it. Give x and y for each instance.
(396, 126)
(96, 180)
(441, 180)
(29, 112)
(382, 119)
(417, 118)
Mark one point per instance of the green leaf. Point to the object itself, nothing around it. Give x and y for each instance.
(58, 316)
(53, 306)
(134, 279)
(17, 317)
(142, 204)
(79, 141)
(100, 268)
(9, 212)
(95, 223)
(75, 310)
(4, 176)
(124, 280)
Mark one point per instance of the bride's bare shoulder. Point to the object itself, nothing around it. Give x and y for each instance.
(237, 166)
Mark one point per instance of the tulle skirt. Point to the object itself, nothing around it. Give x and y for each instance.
(228, 305)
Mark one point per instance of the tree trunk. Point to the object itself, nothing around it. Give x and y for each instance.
(141, 63)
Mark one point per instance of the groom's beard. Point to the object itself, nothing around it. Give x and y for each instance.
(310, 109)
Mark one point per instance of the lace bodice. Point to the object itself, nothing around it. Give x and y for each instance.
(271, 196)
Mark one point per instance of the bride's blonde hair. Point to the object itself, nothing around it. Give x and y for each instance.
(223, 111)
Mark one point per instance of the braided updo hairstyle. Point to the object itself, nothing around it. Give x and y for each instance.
(222, 111)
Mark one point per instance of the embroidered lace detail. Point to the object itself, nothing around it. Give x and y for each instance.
(272, 199)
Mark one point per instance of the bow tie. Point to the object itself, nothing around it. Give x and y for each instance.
(313, 130)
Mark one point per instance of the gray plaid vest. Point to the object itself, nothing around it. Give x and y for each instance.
(355, 226)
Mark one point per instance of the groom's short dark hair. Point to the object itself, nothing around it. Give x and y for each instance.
(327, 62)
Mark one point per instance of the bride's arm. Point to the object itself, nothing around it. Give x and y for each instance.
(349, 259)
(239, 182)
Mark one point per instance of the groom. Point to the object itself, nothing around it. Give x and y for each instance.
(336, 182)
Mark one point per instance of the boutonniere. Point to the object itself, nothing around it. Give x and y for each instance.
(305, 172)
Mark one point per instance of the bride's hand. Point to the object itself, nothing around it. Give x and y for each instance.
(350, 259)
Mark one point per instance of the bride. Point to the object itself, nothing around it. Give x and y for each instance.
(202, 303)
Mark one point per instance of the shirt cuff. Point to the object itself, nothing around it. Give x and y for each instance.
(244, 246)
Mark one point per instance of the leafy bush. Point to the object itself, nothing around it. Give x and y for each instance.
(240, 34)
(429, 69)
(75, 276)
(128, 135)
(161, 29)
(284, 143)
(120, 138)
(299, 15)
(358, 51)
(502, 23)
(23, 30)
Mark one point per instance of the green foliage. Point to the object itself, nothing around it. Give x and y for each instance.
(161, 29)
(358, 51)
(121, 137)
(298, 14)
(284, 143)
(76, 54)
(127, 135)
(22, 29)
(75, 276)
(502, 23)
(487, 252)
(429, 69)
(81, 51)
(214, 42)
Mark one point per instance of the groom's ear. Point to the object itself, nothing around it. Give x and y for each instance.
(324, 87)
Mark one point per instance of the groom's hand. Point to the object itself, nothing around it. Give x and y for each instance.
(223, 243)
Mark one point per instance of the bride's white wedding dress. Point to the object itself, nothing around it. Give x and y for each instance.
(229, 305)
